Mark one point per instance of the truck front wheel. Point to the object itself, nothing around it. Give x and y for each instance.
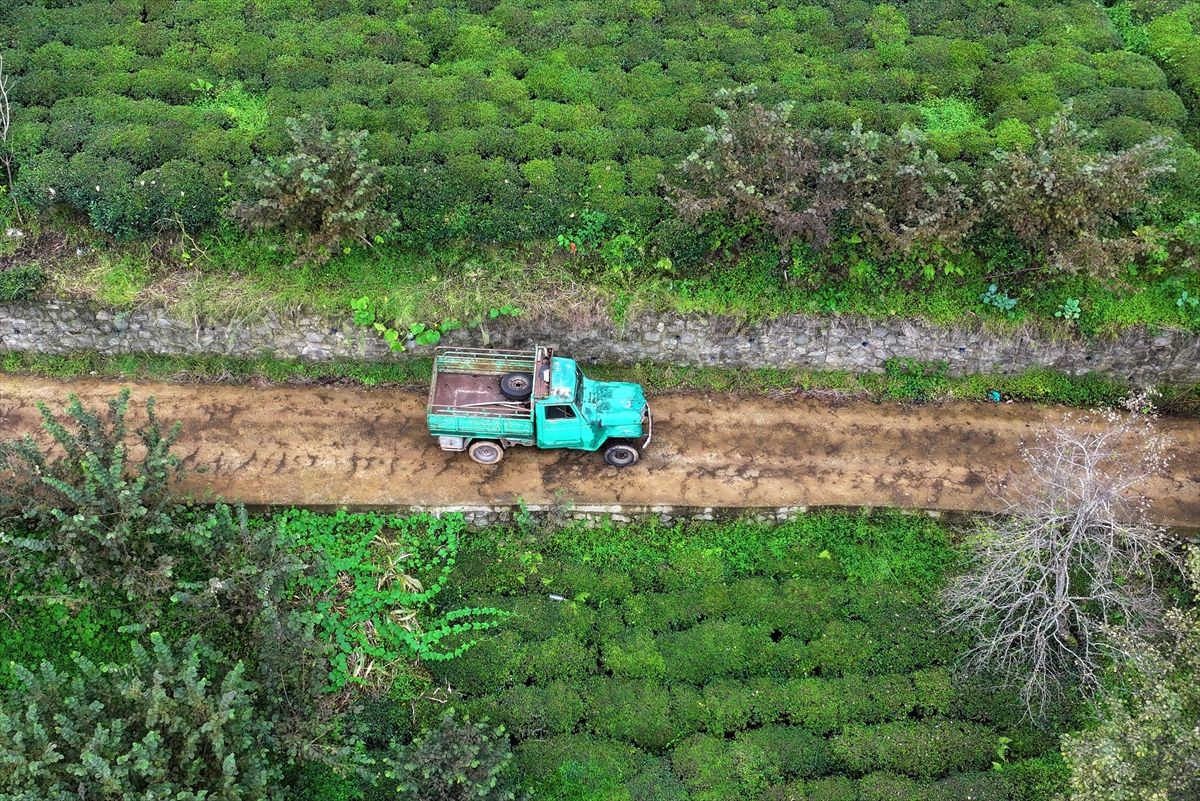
(486, 452)
(620, 454)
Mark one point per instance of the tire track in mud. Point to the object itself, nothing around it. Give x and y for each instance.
(360, 447)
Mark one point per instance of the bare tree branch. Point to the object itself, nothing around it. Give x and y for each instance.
(5, 124)
(1070, 558)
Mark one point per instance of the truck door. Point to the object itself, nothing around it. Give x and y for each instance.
(558, 426)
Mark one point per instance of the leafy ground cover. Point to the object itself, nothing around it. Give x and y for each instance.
(903, 380)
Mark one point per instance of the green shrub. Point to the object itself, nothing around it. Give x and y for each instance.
(536, 711)
(890, 787)
(577, 767)
(456, 759)
(834, 788)
(792, 659)
(633, 711)
(325, 190)
(91, 514)
(925, 749)
(494, 663)
(1040, 779)
(727, 707)
(713, 600)
(21, 283)
(690, 567)
(172, 723)
(538, 617)
(705, 765)
(810, 606)
(715, 649)
(907, 549)
(316, 781)
(935, 691)
(634, 656)
(876, 699)
(662, 611)
(843, 647)
(759, 600)
(815, 704)
(560, 657)
(794, 751)
(598, 587)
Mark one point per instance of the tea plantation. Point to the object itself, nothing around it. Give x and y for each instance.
(496, 121)
(493, 150)
(738, 662)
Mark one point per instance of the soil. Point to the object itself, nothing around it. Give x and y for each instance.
(324, 446)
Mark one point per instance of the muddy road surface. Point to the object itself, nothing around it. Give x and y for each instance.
(284, 445)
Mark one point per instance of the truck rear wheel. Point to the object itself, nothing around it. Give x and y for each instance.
(621, 454)
(517, 386)
(486, 452)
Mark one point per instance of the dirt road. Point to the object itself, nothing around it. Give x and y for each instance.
(361, 447)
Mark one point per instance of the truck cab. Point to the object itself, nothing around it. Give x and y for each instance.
(485, 401)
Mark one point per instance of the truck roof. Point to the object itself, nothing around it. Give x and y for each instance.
(563, 375)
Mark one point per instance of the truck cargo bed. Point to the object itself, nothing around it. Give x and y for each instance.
(465, 392)
(465, 398)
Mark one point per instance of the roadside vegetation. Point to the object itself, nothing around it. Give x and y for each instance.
(371, 656)
(1024, 163)
(903, 380)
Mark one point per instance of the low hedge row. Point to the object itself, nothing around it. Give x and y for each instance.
(773, 763)
(654, 715)
(784, 630)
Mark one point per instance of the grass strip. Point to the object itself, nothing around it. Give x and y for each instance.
(902, 380)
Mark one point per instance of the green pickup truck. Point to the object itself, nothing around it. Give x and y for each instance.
(485, 401)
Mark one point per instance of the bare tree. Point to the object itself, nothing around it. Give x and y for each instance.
(1071, 558)
(5, 124)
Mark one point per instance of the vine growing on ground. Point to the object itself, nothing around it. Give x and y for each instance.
(375, 591)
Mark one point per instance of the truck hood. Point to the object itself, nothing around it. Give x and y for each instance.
(614, 403)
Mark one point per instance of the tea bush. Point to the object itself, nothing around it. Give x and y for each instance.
(924, 749)
(631, 710)
(715, 649)
(633, 656)
(540, 711)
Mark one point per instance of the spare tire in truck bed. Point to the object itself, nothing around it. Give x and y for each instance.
(516, 386)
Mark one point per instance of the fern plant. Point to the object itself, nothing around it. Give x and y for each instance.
(173, 723)
(90, 512)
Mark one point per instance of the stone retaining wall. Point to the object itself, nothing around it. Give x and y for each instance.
(835, 343)
(597, 514)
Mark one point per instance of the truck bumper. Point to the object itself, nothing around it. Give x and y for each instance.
(647, 426)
